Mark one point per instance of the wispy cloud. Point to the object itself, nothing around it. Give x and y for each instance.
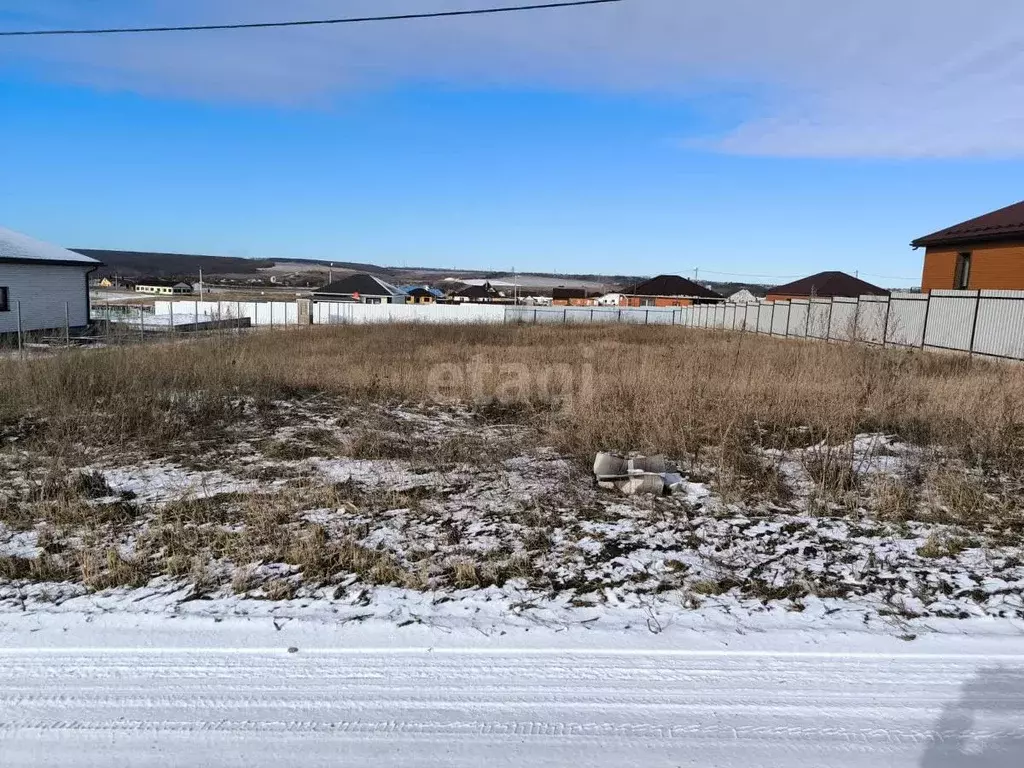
(874, 78)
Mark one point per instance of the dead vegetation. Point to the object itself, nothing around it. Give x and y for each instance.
(753, 417)
(633, 388)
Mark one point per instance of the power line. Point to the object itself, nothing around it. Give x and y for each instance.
(305, 23)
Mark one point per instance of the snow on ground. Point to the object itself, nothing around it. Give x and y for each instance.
(418, 507)
(445, 590)
(138, 690)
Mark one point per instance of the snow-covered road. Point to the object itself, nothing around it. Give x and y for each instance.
(320, 707)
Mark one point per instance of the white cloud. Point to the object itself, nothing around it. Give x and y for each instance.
(871, 78)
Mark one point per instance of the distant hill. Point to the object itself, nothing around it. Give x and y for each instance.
(353, 266)
(152, 264)
(133, 264)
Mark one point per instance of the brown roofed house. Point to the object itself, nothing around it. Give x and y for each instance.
(984, 253)
(573, 297)
(825, 285)
(668, 291)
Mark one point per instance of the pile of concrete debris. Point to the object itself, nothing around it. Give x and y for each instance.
(635, 474)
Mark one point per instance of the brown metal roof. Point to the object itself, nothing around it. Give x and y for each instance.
(569, 293)
(828, 284)
(672, 285)
(1005, 224)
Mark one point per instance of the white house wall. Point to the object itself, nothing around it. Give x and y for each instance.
(43, 290)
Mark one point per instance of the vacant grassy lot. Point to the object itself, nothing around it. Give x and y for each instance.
(656, 388)
(448, 457)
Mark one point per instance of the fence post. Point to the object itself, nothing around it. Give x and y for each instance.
(771, 323)
(807, 319)
(21, 341)
(885, 323)
(67, 324)
(757, 320)
(534, 315)
(142, 323)
(828, 332)
(195, 328)
(974, 323)
(591, 315)
(927, 309)
(856, 318)
(565, 316)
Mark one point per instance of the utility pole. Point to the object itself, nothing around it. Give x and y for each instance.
(696, 274)
(330, 273)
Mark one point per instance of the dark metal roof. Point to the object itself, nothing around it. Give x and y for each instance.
(1005, 224)
(672, 285)
(484, 291)
(569, 293)
(361, 283)
(828, 284)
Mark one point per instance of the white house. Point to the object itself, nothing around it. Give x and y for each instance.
(163, 287)
(743, 296)
(44, 281)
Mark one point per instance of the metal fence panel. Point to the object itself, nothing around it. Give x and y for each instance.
(871, 319)
(750, 318)
(780, 318)
(820, 319)
(999, 327)
(950, 319)
(845, 313)
(905, 324)
(797, 320)
(332, 312)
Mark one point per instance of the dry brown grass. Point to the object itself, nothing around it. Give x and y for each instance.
(709, 399)
(650, 388)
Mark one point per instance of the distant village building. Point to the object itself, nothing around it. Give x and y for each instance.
(609, 300)
(479, 294)
(742, 296)
(362, 288)
(573, 297)
(163, 287)
(668, 291)
(825, 285)
(45, 284)
(422, 294)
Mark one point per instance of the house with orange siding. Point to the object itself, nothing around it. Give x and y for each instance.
(667, 291)
(983, 253)
(573, 297)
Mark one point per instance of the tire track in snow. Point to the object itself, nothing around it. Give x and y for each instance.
(473, 709)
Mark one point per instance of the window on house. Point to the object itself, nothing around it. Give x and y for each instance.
(646, 302)
(963, 272)
(5, 305)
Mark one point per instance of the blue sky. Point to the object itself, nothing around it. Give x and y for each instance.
(615, 141)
